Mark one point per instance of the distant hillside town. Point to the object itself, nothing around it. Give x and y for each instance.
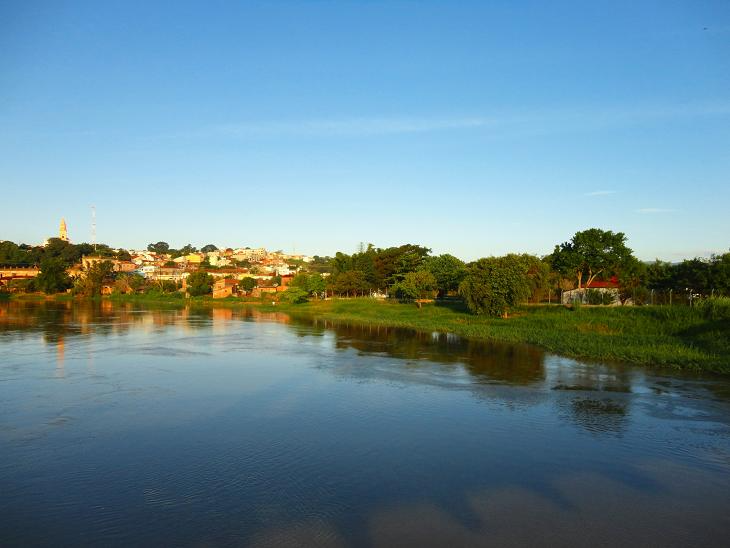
(265, 270)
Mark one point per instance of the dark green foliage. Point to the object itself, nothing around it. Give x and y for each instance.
(294, 295)
(495, 285)
(208, 248)
(703, 276)
(591, 253)
(247, 283)
(123, 255)
(415, 285)
(159, 247)
(381, 268)
(312, 284)
(349, 283)
(52, 277)
(200, 283)
(448, 271)
(90, 284)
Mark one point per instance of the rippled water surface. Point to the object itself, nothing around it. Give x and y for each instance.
(217, 427)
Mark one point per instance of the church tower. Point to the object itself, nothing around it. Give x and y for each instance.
(63, 231)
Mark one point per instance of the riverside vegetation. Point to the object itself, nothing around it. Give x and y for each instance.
(499, 298)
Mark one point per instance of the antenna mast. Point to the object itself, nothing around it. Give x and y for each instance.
(93, 226)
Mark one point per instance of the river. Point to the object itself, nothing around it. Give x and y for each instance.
(123, 425)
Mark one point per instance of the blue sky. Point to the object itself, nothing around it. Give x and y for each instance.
(475, 128)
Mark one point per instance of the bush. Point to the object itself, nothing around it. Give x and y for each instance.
(294, 295)
(496, 284)
(200, 283)
(715, 308)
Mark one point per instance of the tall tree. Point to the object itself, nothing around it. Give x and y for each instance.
(416, 285)
(447, 270)
(591, 253)
(199, 283)
(53, 277)
(493, 286)
(159, 247)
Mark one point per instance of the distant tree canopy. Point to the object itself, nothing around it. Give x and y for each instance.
(379, 268)
(208, 248)
(123, 255)
(159, 247)
(68, 254)
(703, 276)
(591, 253)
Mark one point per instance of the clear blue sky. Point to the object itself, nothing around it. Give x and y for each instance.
(476, 128)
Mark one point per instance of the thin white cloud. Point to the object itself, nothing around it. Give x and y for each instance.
(339, 127)
(600, 193)
(503, 124)
(654, 210)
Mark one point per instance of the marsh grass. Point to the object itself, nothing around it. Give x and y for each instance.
(677, 337)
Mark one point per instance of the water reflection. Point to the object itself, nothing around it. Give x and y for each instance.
(227, 426)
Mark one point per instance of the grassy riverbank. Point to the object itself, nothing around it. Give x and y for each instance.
(676, 337)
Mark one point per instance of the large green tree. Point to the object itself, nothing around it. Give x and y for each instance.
(53, 277)
(90, 284)
(159, 247)
(494, 285)
(447, 270)
(416, 285)
(199, 283)
(591, 253)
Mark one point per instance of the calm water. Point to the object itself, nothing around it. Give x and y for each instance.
(216, 427)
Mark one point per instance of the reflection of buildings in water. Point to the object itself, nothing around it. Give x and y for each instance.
(220, 320)
(594, 396)
(568, 374)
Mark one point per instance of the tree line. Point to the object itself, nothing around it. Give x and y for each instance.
(494, 285)
(490, 285)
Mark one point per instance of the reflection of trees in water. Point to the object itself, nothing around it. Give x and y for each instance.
(598, 415)
(486, 362)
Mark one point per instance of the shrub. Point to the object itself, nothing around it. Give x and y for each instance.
(294, 295)
(715, 308)
(496, 284)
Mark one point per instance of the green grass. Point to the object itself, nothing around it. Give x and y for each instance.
(676, 337)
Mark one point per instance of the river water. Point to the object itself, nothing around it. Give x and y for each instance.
(131, 426)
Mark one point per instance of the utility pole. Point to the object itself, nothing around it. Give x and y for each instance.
(93, 227)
